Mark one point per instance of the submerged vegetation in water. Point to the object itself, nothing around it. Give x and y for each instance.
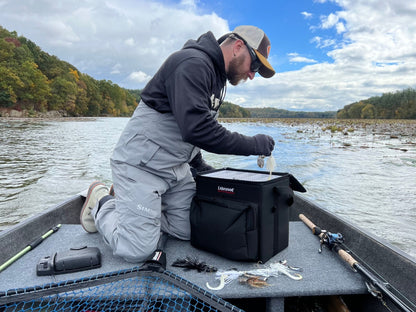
(347, 131)
(392, 127)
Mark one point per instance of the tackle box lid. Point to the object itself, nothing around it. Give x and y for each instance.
(250, 177)
(233, 174)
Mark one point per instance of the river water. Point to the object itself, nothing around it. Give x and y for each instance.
(367, 177)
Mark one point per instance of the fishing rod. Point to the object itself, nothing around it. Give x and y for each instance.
(29, 247)
(375, 286)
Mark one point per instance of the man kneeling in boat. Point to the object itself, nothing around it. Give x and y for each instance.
(175, 118)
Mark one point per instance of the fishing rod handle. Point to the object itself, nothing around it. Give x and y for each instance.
(346, 257)
(308, 222)
(316, 230)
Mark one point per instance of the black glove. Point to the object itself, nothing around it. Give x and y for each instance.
(264, 144)
(199, 165)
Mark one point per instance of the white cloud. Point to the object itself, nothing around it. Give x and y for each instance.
(239, 100)
(116, 69)
(93, 35)
(323, 43)
(340, 28)
(189, 4)
(373, 53)
(139, 77)
(329, 21)
(129, 42)
(369, 46)
(296, 58)
(306, 14)
(333, 21)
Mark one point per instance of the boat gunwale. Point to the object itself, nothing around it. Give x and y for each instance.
(357, 229)
(17, 237)
(379, 256)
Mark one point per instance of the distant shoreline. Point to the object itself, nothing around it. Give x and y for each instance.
(37, 119)
(392, 127)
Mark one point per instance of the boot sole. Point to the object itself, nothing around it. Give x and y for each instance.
(92, 186)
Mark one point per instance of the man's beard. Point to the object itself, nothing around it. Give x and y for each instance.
(233, 74)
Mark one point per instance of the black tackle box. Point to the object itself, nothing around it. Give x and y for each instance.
(242, 214)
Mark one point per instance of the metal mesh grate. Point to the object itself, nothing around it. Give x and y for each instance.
(127, 290)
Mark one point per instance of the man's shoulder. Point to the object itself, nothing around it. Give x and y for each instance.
(191, 53)
(190, 59)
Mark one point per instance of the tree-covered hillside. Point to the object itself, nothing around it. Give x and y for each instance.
(269, 112)
(398, 105)
(33, 80)
(230, 110)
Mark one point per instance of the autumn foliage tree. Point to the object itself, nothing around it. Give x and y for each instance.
(398, 105)
(34, 80)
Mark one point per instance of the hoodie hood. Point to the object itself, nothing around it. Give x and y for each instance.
(209, 45)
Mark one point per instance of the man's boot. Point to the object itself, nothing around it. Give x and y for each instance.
(96, 191)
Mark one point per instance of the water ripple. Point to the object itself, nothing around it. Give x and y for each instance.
(366, 176)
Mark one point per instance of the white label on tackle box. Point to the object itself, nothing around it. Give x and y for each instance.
(241, 175)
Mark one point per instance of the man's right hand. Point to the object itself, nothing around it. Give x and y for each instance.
(264, 144)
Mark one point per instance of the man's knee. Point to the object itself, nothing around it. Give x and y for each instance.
(136, 242)
(134, 255)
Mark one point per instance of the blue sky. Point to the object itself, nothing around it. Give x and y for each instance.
(327, 53)
(287, 23)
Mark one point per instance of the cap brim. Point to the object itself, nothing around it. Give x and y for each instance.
(266, 70)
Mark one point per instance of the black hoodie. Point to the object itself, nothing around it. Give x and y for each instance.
(190, 84)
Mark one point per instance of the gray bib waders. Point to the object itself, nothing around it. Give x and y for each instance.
(153, 186)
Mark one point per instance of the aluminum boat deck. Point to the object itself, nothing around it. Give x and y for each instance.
(323, 273)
